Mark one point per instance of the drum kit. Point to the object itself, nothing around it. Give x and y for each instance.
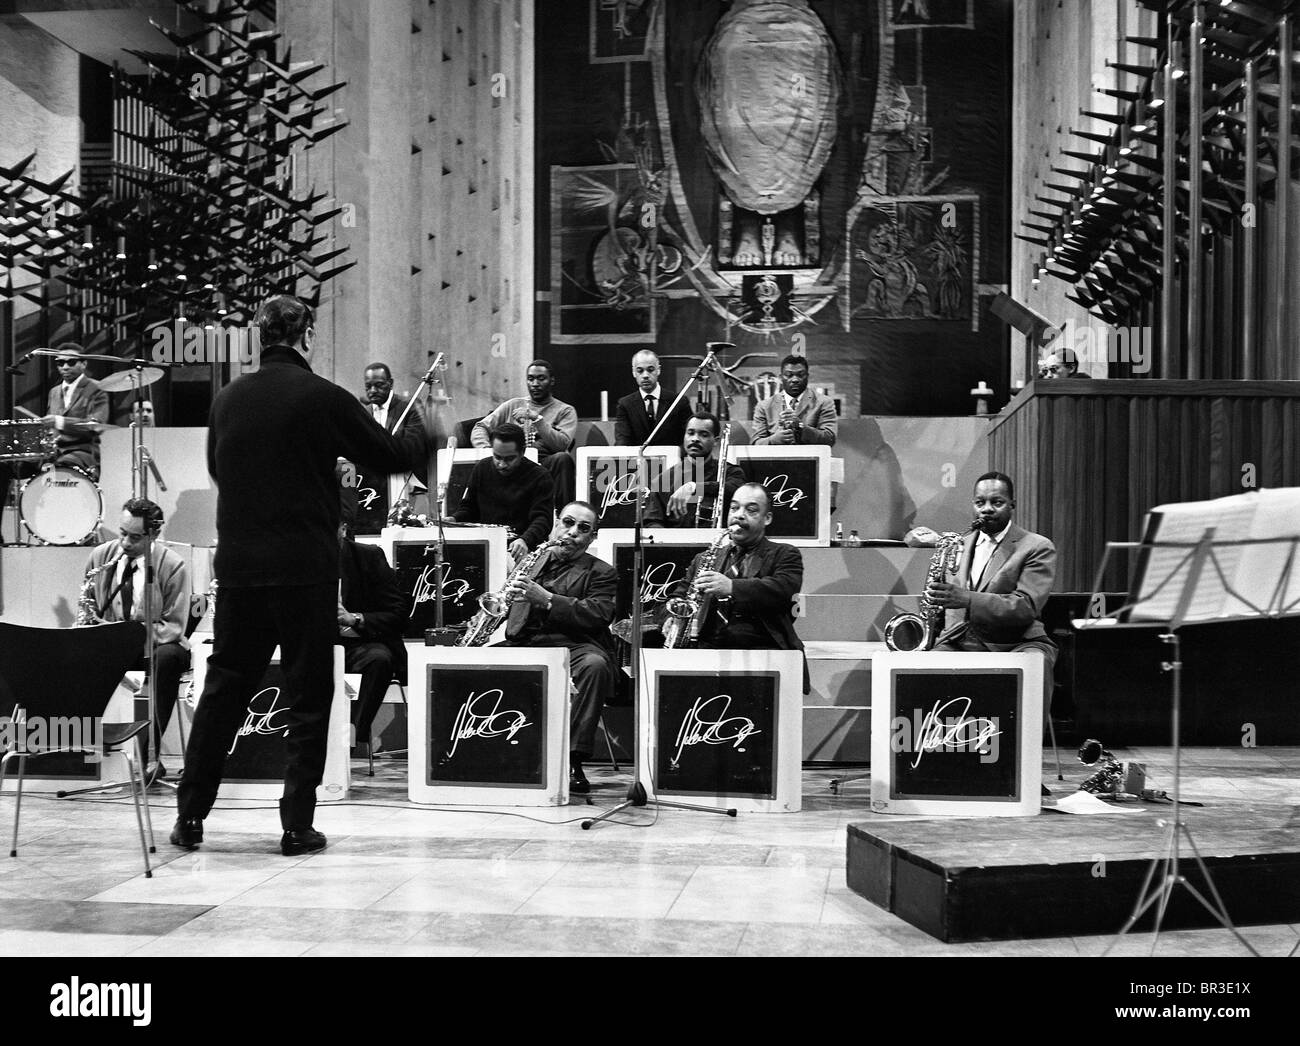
(60, 504)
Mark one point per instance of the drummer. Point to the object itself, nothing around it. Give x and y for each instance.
(78, 409)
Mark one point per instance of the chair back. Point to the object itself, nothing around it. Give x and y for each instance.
(65, 671)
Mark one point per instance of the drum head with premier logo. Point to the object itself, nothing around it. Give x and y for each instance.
(61, 506)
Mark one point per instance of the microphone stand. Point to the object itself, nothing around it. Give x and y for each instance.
(636, 794)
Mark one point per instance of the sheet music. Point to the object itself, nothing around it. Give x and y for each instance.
(1166, 569)
(1261, 577)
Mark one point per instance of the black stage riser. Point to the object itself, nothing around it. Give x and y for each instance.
(1059, 900)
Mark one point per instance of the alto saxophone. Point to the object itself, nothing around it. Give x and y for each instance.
(921, 631)
(686, 613)
(87, 607)
(495, 606)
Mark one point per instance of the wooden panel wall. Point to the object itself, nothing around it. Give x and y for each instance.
(1091, 458)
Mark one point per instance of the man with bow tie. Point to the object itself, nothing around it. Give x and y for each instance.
(569, 602)
(995, 601)
(753, 584)
(795, 414)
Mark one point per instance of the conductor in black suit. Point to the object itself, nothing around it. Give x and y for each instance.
(639, 412)
(753, 585)
(274, 436)
(371, 612)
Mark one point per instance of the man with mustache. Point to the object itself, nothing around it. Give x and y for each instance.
(753, 583)
(694, 483)
(569, 602)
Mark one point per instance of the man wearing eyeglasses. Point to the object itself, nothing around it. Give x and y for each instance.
(125, 565)
(78, 410)
(274, 437)
(569, 602)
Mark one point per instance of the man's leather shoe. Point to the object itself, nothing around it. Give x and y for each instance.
(578, 783)
(298, 841)
(187, 832)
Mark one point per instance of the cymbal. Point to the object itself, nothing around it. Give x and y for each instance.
(127, 380)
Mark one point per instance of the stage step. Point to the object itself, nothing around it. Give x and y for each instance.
(1055, 875)
(855, 618)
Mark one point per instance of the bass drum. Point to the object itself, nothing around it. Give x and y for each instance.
(61, 506)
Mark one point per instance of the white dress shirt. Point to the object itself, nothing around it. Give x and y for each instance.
(983, 551)
(380, 411)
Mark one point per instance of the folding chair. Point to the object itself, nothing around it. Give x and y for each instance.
(64, 679)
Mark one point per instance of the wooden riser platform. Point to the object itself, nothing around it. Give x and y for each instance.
(1056, 875)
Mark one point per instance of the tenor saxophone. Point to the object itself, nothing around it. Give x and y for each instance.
(686, 613)
(495, 606)
(921, 631)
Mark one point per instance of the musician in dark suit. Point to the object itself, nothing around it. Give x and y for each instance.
(569, 602)
(688, 492)
(996, 599)
(751, 588)
(78, 408)
(371, 612)
(385, 405)
(639, 412)
(506, 488)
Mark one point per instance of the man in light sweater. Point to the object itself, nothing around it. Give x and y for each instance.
(549, 425)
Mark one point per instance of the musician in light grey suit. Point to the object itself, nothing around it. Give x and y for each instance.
(996, 599)
(795, 414)
(78, 409)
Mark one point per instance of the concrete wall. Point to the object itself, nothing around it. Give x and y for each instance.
(435, 170)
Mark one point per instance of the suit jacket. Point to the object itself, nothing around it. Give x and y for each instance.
(632, 427)
(76, 438)
(772, 577)
(816, 415)
(1006, 605)
(395, 411)
(171, 591)
(581, 612)
(369, 587)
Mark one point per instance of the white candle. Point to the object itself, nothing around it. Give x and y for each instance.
(604, 405)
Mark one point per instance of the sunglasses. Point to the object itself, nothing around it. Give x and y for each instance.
(569, 523)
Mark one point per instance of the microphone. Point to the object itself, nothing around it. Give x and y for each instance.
(17, 366)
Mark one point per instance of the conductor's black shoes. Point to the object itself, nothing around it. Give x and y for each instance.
(578, 783)
(298, 841)
(187, 832)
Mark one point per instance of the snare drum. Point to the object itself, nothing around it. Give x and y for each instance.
(61, 506)
(25, 441)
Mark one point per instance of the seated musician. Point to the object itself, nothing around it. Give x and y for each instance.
(995, 601)
(118, 594)
(692, 486)
(569, 602)
(549, 424)
(372, 610)
(752, 587)
(508, 489)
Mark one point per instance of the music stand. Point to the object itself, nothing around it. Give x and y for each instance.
(636, 794)
(1200, 596)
